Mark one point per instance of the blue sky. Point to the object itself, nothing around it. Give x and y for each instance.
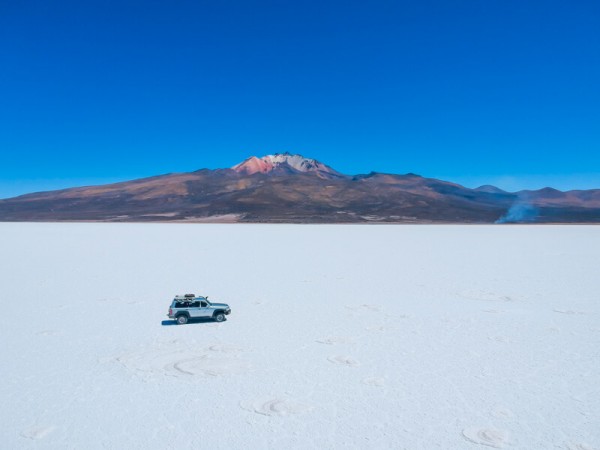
(501, 92)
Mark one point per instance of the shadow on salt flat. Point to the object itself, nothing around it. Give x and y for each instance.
(168, 323)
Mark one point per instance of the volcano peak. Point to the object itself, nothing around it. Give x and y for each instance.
(268, 163)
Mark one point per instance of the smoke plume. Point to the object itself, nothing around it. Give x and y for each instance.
(522, 210)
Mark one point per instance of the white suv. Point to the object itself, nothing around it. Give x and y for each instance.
(187, 307)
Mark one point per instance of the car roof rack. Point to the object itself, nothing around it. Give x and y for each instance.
(188, 298)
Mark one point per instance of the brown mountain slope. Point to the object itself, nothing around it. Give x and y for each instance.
(302, 193)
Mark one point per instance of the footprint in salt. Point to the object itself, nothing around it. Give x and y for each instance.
(579, 446)
(568, 311)
(180, 363)
(343, 361)
(485, 296)
(37, 432)
(364, 307)
(206, 367)
(335, 340)
(374, 381)
(486, 436)
(276, 406)
(48, 333)
(225, 348)
(502, 413)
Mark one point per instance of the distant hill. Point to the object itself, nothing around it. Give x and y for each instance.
(285, 188)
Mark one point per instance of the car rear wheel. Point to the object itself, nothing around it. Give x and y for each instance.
(219, 317)
(182, 320)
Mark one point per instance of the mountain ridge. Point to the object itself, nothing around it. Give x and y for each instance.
(287, 188)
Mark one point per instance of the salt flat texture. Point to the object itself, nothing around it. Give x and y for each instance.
(404, 337)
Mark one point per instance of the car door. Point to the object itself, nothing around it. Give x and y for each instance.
(205, 310)
(195, 310)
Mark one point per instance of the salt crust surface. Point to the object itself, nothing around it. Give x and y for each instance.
(413, 337)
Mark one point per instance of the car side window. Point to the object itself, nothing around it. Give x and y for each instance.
(204, 304)
(196, 305)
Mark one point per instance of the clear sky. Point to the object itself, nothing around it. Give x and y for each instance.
(482, 91)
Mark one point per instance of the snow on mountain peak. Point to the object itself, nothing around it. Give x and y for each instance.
(268, 163)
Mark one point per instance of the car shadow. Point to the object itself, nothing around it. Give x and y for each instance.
(168, 323)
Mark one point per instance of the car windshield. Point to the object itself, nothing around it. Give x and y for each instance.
(180, 302)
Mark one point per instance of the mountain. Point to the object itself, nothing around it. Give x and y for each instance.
(490, 189)
(285, 163)
(286, 188)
